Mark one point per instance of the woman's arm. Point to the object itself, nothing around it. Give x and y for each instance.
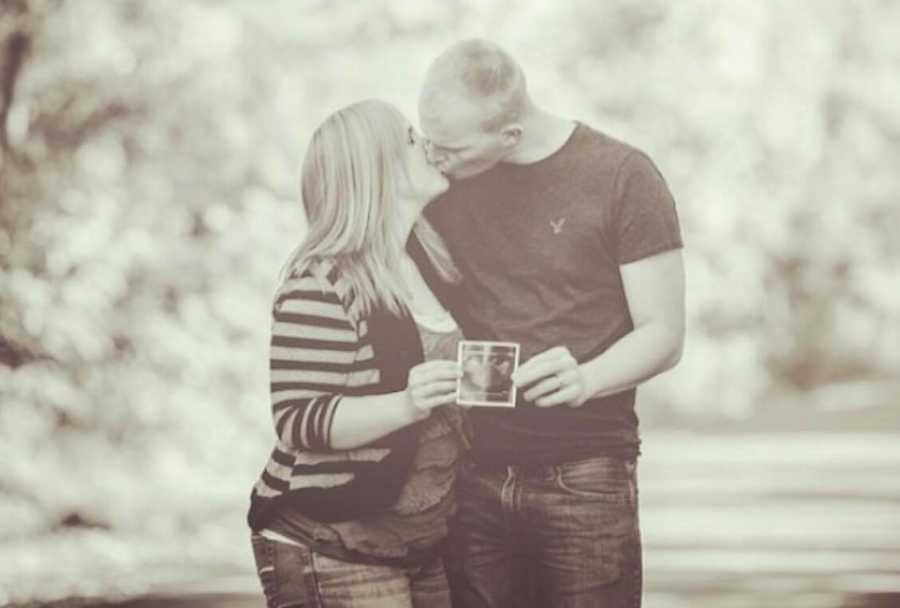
(360, 420)
(315, 357)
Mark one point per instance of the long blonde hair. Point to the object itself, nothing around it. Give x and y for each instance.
(348, 190)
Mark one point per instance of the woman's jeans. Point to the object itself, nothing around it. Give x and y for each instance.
(295, 577)
(548, 536)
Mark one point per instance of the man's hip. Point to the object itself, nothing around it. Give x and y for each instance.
(573, 525)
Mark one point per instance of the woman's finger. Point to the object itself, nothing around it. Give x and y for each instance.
(437, 366)
(435, 388)
(435, 374)
(437, 400)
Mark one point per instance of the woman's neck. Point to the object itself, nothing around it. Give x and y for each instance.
(410, 212)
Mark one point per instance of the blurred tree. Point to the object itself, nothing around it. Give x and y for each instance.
(14, 44)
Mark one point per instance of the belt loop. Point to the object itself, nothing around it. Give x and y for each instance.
(556, 472)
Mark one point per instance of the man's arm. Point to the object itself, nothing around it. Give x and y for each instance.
(654, 289)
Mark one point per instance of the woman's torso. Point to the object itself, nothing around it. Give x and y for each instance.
(413, 526)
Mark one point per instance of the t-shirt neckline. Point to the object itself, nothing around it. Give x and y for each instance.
(549, 157)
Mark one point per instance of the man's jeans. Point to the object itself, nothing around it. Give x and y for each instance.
(573, 526)
(292, 576)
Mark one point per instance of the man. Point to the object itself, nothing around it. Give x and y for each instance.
(569, 244)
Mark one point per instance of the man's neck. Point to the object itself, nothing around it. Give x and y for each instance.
(543, 134)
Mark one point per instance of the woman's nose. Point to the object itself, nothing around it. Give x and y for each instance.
(431, 154)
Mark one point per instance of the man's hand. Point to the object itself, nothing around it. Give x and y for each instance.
(551, 378)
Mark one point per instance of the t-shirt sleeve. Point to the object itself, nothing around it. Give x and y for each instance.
(645, 220)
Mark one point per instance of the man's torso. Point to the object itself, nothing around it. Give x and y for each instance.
(537, 247)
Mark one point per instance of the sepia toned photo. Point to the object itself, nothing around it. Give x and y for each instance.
(449, 304)
(487, 369)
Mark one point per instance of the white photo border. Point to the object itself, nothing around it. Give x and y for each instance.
(461, 347)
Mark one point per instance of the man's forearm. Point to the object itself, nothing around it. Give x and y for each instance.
(642, 354)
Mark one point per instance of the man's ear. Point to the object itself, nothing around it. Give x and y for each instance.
(512, 134)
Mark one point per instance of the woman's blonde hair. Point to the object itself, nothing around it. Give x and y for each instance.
(349, 193)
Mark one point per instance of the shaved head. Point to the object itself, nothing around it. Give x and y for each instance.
(481, 76)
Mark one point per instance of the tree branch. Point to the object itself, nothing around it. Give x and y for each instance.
(15, 47)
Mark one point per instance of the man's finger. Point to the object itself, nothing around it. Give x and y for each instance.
(535, 369)
(545, 387)
(567, 395)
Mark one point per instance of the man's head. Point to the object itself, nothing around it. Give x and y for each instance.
(472, 106)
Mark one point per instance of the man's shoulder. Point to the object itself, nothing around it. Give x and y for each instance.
(620, 159)
(600, 144)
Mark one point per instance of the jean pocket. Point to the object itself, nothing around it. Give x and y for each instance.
(601, 479)
(284, 573)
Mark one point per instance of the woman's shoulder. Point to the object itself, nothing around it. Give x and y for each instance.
(309, 281)
(321, 282)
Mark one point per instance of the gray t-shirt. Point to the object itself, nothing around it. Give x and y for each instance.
(539, 247)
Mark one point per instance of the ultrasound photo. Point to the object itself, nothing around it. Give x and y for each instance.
(487, 373)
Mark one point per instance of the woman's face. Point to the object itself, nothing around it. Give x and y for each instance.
(422, 181)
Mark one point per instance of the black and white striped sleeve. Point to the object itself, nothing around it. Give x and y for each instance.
(313, 352)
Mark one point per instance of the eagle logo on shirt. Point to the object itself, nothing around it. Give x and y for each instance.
(557, 225)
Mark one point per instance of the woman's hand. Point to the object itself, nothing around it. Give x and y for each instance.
(431, 384)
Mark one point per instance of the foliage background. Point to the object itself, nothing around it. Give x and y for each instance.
(148, 198)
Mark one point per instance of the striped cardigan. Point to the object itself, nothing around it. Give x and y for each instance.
(322, 350)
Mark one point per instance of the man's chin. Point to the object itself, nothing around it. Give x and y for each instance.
(461, 174)
(469, 171)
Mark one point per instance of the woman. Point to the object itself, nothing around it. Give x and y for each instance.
(352, 505)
